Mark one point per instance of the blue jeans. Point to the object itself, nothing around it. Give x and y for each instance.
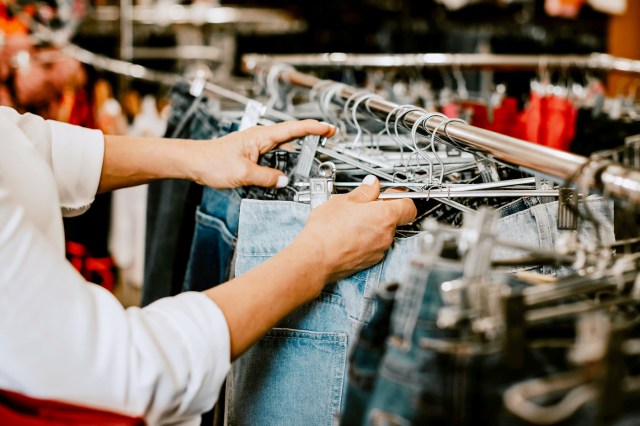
(216, 229)
(171, 203)
(432, 376)
(533, 223)
(367, 354)
(297, 374)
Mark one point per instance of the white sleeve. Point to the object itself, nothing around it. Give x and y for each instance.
(74, 154)
(64, 339)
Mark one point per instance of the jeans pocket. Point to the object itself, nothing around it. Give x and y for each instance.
(211, 253)
(290, 377)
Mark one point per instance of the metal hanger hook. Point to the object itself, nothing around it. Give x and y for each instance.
(414, 136)
(327, 96)
(273, 85)
(451, 140)
(386, 130)
(422, 121)
(324, 96)
(433, 141)
(345, 108)
(317, 88)
(354, 116)
(400, 116)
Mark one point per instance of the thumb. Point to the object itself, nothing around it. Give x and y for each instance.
(266, 177)
(369, 190)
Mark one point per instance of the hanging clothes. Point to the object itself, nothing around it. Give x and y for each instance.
(317, 338)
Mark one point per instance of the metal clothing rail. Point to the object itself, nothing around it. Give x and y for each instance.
(594, 62)
(244, 20)
(135, 71)
(613, 179)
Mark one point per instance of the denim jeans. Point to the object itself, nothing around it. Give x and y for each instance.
(367, 354)
(432, 376)
(216, 229)
(531, 222)
(172, 203)
(297, 374)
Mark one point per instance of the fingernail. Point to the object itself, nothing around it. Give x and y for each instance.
(328, 124)
(282, 181)
(369, 180)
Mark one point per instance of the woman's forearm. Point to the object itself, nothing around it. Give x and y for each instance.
(346, 234)
(256, 301)
(228, 162)
(130, 161)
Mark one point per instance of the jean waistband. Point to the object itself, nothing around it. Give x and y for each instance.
(262, 217)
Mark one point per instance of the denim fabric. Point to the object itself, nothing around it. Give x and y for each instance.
(214, 239)
(216, 230)
(431, 376)
(172, 203)
(297, 373)
(531, 222)
(367, 354)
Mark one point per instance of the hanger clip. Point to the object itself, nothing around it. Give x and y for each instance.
(320, 188)
(253, 111)
(307, 154)
(488, 170)
(567, 209)
(544, 184)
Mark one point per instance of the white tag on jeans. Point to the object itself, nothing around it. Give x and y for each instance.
(252, 114)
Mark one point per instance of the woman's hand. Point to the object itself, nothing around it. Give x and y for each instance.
(227, 162)
(231, 160)
(348, 233)
(351, 232)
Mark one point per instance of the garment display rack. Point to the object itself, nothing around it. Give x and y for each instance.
(203, 31)
(225, 20)
(593, 62)
(134, 71)
(244, 20)
(611, 178)
(608, 177)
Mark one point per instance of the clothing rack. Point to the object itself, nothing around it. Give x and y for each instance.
(593, 62)
(134, 71)
(614, 179)
(243, 20)
(610, 178)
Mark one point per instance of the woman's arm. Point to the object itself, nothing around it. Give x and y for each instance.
(226, 162)
(348, 233)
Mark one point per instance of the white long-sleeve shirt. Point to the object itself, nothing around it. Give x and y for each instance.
(64, 339)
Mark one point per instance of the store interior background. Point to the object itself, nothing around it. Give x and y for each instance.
(404, 26)
(369, 26)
